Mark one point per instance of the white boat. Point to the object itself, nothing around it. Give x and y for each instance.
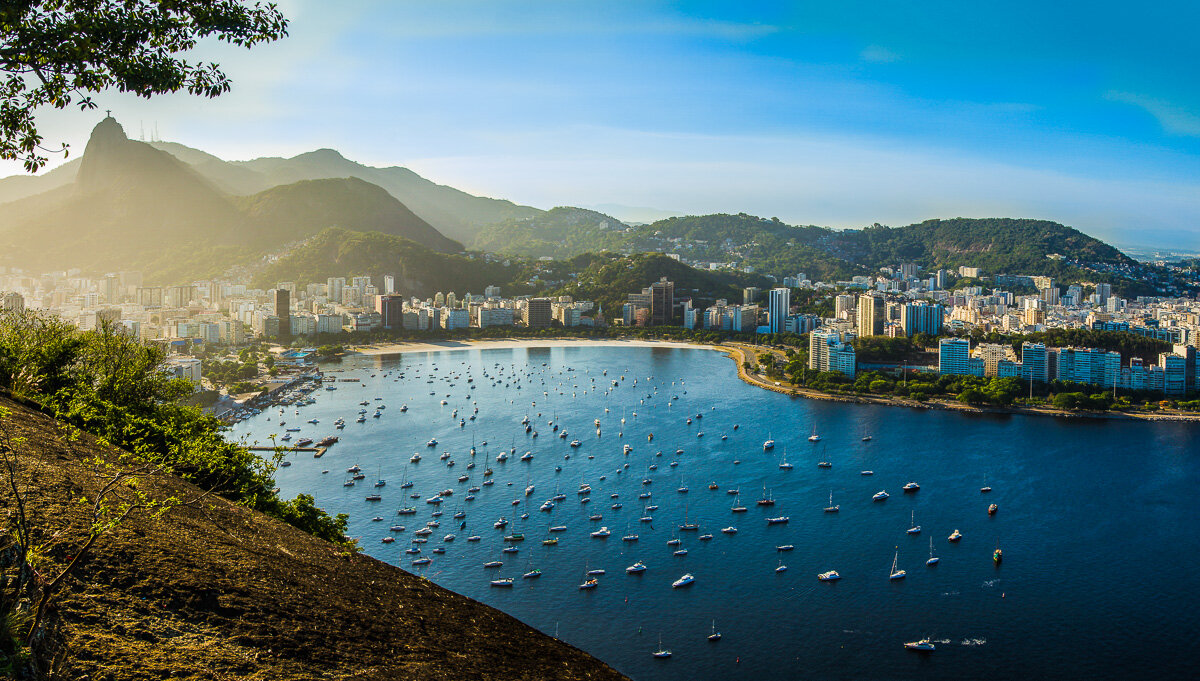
(729, 530)
(911, 487)
(922, 646)
(769, 444)
(661, 653)
(814, 437)
(781, 567)
(503, 582)
(914, 528)
(955, 536)
(896, 574)
(880, 495)
(715, 635)
(601, 533)
(933, 560)
(685, 580)
(831, 508)
(831, 576)
(636, 568)
(778, 520)
(784, 463)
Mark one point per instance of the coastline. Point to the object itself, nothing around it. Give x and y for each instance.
(512, 343)
(738, 353)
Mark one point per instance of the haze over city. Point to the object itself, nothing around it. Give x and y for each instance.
(837, 115)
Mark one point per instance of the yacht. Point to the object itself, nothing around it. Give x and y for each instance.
(992, 509)
(831, 576)
(685, 580)
(911, 487)
(636, 568)
(729, 530)
(493, 564)
(432, 443)
(955, 536)
(880, 495)
(778, 520)
(589, 583)
(503, 582)
(922, 646)
(867, 473)
(769, 444)
(601, 533)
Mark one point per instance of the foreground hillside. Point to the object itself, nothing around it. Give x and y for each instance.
(214, 590)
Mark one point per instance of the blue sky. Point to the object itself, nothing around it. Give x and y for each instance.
(835, 113)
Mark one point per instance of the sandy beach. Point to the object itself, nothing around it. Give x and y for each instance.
(508, 343)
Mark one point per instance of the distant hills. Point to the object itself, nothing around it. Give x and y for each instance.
(133, 206)
(998, 245)
(177, 213)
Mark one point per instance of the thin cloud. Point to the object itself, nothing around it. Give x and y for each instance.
(1174, 119)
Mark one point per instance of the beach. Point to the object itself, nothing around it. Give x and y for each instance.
(508, 343)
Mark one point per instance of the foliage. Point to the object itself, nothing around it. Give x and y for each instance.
(111, 386)
(57, 53)
(418, 269)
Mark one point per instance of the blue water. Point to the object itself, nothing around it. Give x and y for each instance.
(1096, 518)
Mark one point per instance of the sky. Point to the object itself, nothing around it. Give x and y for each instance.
(840, 113)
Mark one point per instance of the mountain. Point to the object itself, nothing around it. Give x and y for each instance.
(452, 212)
(558, 233)
(418, 269)
(213, 589)
(132, 206)
(303, 208)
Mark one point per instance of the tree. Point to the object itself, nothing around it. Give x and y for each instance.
(58, 53)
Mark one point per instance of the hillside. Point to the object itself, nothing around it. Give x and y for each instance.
(286, 212)
(558, 233)
(452, 212)
(214, 590)
(998, 245)
(418, 270)
(132, 206)
(608, 279)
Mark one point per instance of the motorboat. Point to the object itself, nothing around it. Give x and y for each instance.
(922, 646)
(686, 580)
(831, 576)
(955, 536)
(911, 487)
(880, 495)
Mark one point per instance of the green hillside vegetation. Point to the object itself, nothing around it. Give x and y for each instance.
(418, 270)
(608, 278)
(997, 245)
(559, 233)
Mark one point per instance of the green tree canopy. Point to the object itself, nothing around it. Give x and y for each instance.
(59, 53)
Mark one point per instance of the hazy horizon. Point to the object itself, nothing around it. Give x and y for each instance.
(833, 116)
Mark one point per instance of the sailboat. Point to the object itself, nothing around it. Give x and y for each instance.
(814, 437)
(914, 528)
(784, 464)
(715, 635)
(986, 487)
(661, 653)
(897, 574)
(831, 508)
(824, 463)
(933, 560)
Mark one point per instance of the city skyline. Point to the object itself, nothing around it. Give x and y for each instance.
(809, 113)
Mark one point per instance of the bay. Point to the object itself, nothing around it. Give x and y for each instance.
(1095, 518)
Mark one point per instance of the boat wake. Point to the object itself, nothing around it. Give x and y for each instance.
(972, 642)
(950, 593)
(990, 583)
